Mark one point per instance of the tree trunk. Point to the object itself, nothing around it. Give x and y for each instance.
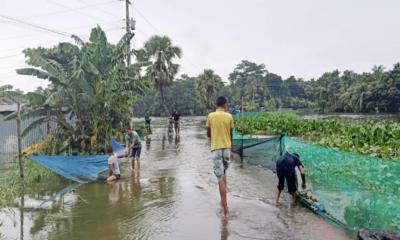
(20, 160)
(163, 102)
(48, 123)
(361, 102)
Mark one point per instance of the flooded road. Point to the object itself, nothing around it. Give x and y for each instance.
(173, 196)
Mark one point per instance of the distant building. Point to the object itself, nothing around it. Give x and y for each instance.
(7, 109)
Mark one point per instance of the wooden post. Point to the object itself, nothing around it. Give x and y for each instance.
(20, 160)
(241, 110)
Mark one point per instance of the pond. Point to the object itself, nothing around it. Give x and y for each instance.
(353, 116)
(173, 196)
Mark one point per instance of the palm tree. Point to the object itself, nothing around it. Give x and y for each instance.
(161, 70)
(8, 95)
(208, 85)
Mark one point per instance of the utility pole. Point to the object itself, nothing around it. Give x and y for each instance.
(128, 32)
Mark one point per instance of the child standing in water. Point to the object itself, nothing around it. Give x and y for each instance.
(219, 128)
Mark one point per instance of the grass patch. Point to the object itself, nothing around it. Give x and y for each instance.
(37, 180)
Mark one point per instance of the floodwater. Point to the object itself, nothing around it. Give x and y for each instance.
(354, 117)
(173, 196)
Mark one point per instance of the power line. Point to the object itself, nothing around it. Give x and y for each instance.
(159, 32)
(64, 34)
(36, 34)
(11, 56)
(77, 11)
(70, 9)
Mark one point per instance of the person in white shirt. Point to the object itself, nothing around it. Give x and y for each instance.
(113, 166)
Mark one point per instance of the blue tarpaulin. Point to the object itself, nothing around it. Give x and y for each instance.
(82, 169)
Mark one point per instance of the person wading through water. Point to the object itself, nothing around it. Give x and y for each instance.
(133, 146)
(219, 128)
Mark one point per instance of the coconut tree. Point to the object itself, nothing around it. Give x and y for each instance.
(208, 85)
(160, 52)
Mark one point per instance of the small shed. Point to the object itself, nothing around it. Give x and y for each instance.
(6, 109)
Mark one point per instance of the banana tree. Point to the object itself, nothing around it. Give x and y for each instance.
(90, 86)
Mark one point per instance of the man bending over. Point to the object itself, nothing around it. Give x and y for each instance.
(286, 170)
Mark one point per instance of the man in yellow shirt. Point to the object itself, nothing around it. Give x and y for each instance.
(219, 128)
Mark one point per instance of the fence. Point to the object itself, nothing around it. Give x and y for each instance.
(8, 139)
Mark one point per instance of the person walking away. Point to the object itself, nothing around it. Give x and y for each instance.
(219, 128)
(177, 118)
(134, 146)
(147, 123)
(286, 170)
(113, 166)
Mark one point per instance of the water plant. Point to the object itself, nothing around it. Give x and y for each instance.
(375, 138)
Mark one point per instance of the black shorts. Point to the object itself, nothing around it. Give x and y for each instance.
(118, 176)
(291, 181)
(136, 151)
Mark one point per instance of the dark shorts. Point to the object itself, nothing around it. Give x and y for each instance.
(291, 181)
(136, 151)
(118, 176)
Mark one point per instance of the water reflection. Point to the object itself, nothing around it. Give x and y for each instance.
(21, 215)
(224, 229)
(113, 193)
(148, 143)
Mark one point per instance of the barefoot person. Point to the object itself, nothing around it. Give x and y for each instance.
(286, 170)
(113, 166)
(134, 146)
(177, 122)
(219, 128)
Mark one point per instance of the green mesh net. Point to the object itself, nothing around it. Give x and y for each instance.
(358, 190)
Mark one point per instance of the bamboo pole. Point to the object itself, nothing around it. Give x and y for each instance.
(20, 160)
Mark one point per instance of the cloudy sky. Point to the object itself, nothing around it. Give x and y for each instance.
(291, 37)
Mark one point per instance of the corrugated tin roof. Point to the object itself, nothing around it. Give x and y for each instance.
(8, 108)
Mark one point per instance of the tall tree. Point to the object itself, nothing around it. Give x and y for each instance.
(161, 53)
(208, 85)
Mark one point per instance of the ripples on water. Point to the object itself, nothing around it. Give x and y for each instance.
(174, 196)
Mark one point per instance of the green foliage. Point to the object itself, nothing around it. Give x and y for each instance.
(378, 91)
(89, 94)
(179, 95)
(37, 179)
(159, 52)
(375, 138)
(208, 84)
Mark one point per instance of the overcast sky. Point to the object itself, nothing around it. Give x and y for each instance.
(304, 38)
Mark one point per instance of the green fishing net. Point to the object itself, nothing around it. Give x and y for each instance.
(358, 190)
(362, 191)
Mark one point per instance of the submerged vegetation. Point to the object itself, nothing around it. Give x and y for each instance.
(36, 180)
(375, 138)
